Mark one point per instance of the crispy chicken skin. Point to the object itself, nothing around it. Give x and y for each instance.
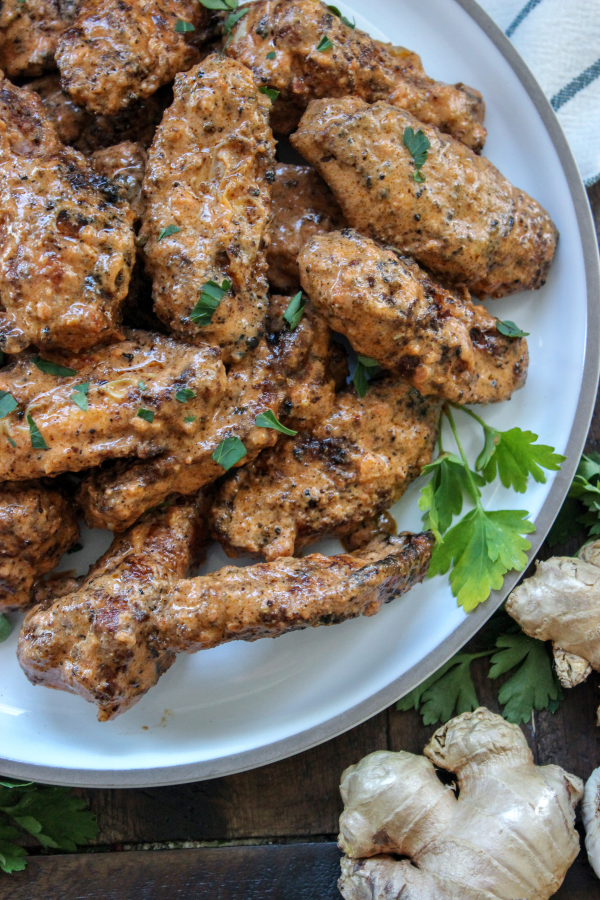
(208, 174)
(466, 223)
(356, 65)
(125, 164)
(145, 371)
(393, 312)
(29, 31)
(353, 465)
(37, 525)
(67, 242)
(112, 640)
(303, 206)
(120, 51)
(288, 373)
(100, 640)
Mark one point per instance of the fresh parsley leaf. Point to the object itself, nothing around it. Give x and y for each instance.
(442, 497)
(271, 55)
(509, 329)
(567, 523)
(367, 362)
(76, 548)
(146, 414)
(7, 404)
(5, 627)
(337, 13)
(219, 4)
(37, 441)
(271, 93)
(229, 452)
(142, 386)
(184, 395)
(182, 27)
(449, 691)
(533, 686)
(268, 419)
(360, 378)
(294, 312)
(189, 419)
(418, 145)
(324, 44)
(233, 18)
(168, 231)
(50, 368)
(12, 856)
(514, 455)
(79, 398)
(210, 297)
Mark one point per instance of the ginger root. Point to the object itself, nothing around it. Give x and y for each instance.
(590, 813)
(561, 603)
(509, 834)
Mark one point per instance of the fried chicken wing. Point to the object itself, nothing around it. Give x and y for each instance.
(118, 52)
(356, 65)
(29, 31)
(351, 466)
(122, 400)
(465, 223)
(37, 525)
(208, 176)
(288, 373)
(303, 206)
(67, 239)
(393, 312)
(112, 640)
(124, 164)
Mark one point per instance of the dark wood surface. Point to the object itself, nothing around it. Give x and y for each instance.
(295, 801)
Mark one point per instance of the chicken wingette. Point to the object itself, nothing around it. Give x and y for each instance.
(29, 31)
(67, 245)
(111, 640)
(125, 164)
(463, 220)
(351, 466)
(353, 64)
(393, 312)
(140, 397)
(37, 525)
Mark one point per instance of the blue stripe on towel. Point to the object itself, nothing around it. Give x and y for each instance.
(531, 5)
(578, 84)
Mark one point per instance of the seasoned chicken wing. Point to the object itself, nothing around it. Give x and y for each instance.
(67, 243)
(37, 525)
(393, 312)
(141, 397)
(352, 65)
(124, 164)
(303, 206)
(118, 52)
(288, 373)
(111, 641)
(29, 31)
(465, 222)
(208, 177)
(351, 466)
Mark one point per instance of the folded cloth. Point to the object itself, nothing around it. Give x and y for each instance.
(560, 42)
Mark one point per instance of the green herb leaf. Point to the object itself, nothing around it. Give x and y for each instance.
(7, 404)
(324, 44)
(268, 419)
(142, 386)
(533, 686)
(229, 452)
(12, 856)
(168, 231)
(567, 523)
(75, 548)
(442, 498)
(271, 55)
(337, 13)
(360, 378)
(182, 27)
(514, 456)
(509, 329)
(367, 362)
(233, 18)
(37, 441)
(5, 627)
(271, 93)
(184, 395)
(50, 368)
(294, 312)
(212, 294)
(79, 398)
(146, 414)
(219, 4)
(418, 145)
(449, 691)
(189, 419)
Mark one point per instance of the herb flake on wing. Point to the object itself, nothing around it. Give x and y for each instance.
(7, 404)
(182, 27)
(233, 18)
(337, 13)
(37, 441)
(268, 419)
(50, 368)
(361, 376)
(146, 414)
(509, 329)
(271, 93)
(324, 44)
(294, 312)
(79, 397)
(212, 294)
(418, 146)
(168, 231)
(229, 452)
(184, 395)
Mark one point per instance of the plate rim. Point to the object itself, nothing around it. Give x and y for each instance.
(162, 776)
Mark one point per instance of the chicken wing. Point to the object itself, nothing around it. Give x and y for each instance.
(124, 164)
(29, 31)
(140, 397)
(351, 466)
(116, 53)
(393, 312)
(465, 223)
(37, 525)
(303, 206)
(352, 65)
(208, 177)
(112, 640)
(68, 242)
(288, 373)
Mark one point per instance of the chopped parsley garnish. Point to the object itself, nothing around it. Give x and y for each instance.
(142, 386)
(233, 18)
(75, 548)
(271, 93)
(168, 231)
(189, 419)
(337, 13)
(184, 395)
(37, 441)
(79, 398)
(7, 404)
(5, 630)
(324, 44)
(211, 296)
(219, 4)
(182, 27)
(294, 312)
(418, 146)
(268, 419)
(10, 440)
(509, 329)
(270, 55)
(229, 452)
(360, 379)
(146, 414)
(50, 368)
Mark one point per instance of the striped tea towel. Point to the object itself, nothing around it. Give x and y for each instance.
(560, 42)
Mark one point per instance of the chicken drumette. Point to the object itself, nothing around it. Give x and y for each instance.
(393, 312)
(125, 164)
(352, 65)
(29, 31)
(464, 221)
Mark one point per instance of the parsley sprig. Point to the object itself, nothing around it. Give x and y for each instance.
(418, 146)
(581, 508)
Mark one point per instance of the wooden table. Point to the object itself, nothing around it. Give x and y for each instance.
(270, 833)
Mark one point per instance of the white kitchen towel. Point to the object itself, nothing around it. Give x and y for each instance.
(560, 42)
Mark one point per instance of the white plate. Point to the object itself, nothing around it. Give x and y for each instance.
(244, 705)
